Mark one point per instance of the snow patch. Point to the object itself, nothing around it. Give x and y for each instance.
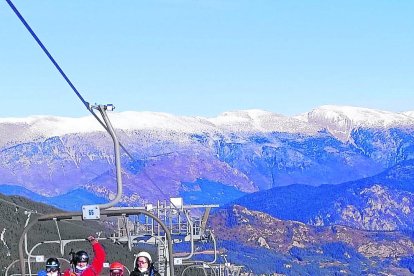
(341, 120)
(4, 242)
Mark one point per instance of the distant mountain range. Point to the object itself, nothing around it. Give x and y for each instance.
(238, 152)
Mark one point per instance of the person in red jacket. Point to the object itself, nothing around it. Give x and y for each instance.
(80, 261)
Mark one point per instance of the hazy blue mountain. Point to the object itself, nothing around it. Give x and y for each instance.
(18, 190)
(208, 192)
(71, 201)
(380, 202)
(199, 192)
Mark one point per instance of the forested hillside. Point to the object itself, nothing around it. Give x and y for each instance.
(14, 212)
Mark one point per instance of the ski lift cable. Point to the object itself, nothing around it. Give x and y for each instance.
(85, 103)
(47, 53)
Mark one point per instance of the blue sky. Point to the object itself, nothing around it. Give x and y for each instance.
(204, 57)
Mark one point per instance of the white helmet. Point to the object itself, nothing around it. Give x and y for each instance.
(144, 254)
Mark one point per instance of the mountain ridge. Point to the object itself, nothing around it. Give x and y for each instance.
(383, 202)
(344, 117)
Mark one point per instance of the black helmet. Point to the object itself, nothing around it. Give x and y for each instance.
(52, 264)
(81, 256)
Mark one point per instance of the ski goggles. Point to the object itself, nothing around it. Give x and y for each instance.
(116, 272)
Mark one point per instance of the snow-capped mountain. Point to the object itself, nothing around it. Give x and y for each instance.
(248, 150)
(336, 119)
(341, 120)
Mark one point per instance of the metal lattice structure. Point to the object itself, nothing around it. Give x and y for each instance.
(183, 228)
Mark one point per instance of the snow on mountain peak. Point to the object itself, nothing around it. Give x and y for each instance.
(54, 126)
(340, 120)
(49, 126)
(360, 116)
(409, 113)
(160, 121)
(259, 120)
(39, 127)
(239, 121)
